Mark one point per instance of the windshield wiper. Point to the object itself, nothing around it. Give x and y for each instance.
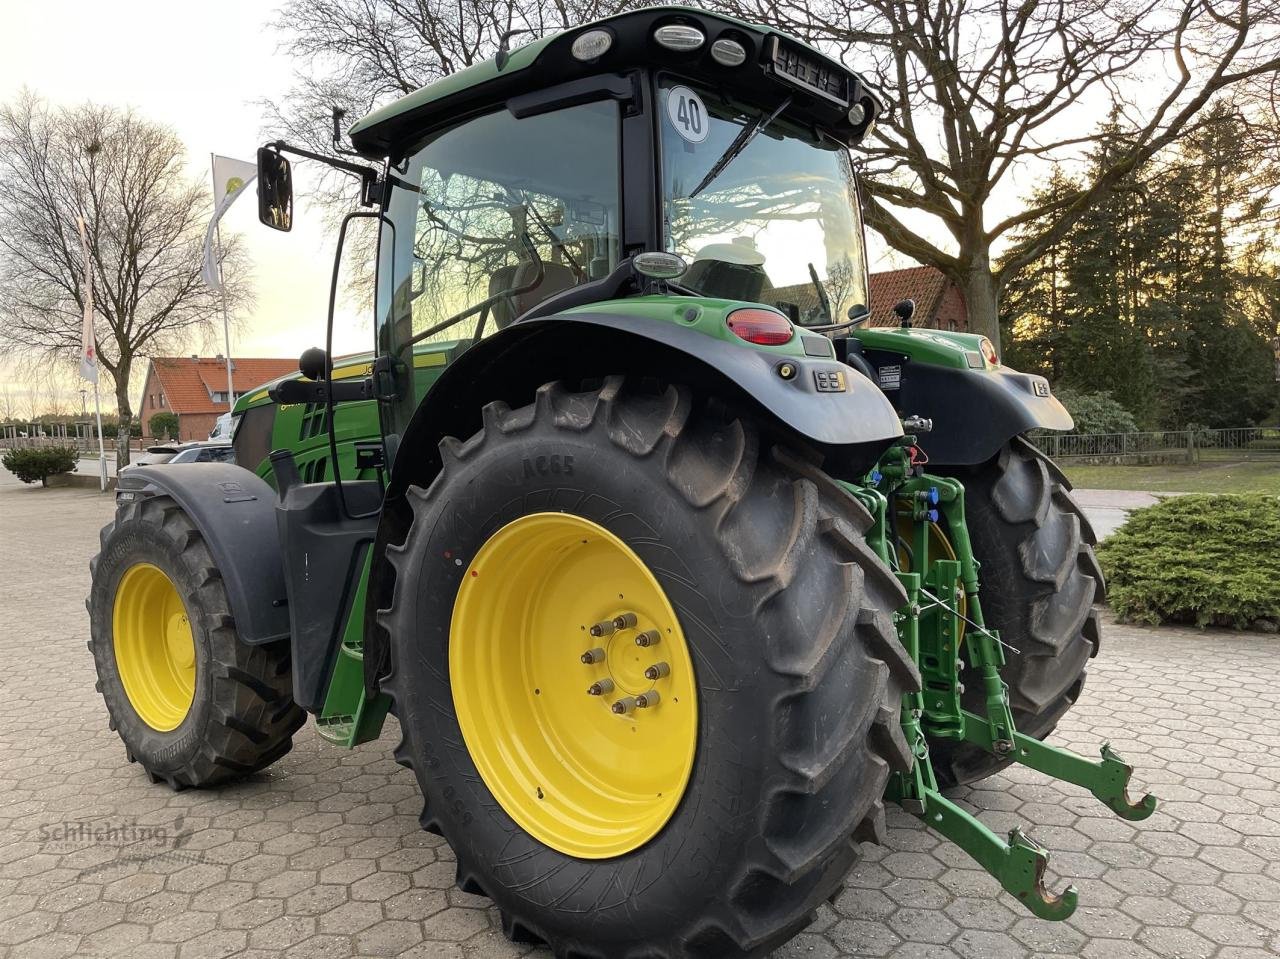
(744, 137)
(824, 301)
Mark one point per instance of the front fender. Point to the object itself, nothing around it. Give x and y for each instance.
(235, 513)
(850, 426)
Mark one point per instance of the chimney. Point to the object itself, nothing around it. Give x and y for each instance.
(195, 357)
(218, 357)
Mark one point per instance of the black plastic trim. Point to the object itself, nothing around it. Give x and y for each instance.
(235, 513)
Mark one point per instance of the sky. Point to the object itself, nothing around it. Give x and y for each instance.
(200, 69)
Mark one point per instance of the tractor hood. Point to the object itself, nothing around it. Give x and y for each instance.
(824, 92)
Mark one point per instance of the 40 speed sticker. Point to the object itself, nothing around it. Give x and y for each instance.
(687, 113)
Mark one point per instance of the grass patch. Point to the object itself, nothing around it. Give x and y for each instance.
(1208, 560)
(1259, 476)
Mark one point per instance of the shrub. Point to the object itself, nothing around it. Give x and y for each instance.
(40, 463)
(163, 424)
(1097, 412)
(1208, 560)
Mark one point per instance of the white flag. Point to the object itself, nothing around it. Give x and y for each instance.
(230, 177)
(88, 344)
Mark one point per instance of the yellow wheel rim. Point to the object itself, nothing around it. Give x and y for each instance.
(592, 776)
(154, 647)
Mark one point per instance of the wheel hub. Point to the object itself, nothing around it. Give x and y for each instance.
(573, 685)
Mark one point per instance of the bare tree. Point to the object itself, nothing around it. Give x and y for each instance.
(980, 90)
(146, 220)
(8, 403)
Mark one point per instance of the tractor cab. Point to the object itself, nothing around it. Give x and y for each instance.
(526, 186)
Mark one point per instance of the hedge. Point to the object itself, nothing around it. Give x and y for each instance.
(1208, 560)
(39, 463)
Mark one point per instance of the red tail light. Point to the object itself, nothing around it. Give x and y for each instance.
(762, 327)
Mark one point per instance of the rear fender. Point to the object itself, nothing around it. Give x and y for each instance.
(235, 513)
(850, 429)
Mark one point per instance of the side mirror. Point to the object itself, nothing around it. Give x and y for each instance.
(905, 309)
(275, 190)
(314, 363)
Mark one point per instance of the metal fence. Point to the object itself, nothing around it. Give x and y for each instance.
(1165, 446)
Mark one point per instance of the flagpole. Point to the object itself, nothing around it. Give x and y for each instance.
(222, 292)
(102, 449)
(89, 351)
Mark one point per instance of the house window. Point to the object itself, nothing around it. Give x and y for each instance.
(162, 399)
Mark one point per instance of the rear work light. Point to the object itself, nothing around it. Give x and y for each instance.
(680, 37)
(762, 327)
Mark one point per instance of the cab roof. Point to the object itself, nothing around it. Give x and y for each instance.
(393, 130)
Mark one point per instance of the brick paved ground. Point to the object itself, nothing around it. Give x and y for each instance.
(322, 856)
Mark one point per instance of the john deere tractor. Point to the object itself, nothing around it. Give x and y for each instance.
(671, 567)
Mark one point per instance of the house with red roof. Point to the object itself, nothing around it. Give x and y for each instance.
(195, 388)
(939, 304)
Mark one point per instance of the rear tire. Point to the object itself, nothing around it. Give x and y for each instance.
(241, 716)
(1040, 583)
(799, 672)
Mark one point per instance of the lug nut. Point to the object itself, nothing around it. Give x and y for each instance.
(624, 705)
(604, 628)
(650, 637)
(625, 621)
(646, 700)
(600, 688)
(593, 656)
(657, 671)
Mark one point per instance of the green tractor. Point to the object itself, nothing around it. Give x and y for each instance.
(664, 560)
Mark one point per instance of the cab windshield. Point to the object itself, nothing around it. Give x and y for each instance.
(778, 224)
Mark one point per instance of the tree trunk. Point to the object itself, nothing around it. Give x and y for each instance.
(123, 431)
(982, 302)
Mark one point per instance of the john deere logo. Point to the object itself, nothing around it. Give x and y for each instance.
(234, 183)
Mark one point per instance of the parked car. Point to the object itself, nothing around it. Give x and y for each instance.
(154, 455)
(201, 451)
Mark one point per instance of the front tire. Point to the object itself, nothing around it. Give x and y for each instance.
(192, 703)
(787, 618)
(1040, 586)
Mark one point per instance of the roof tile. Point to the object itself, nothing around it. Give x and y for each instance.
(188, 383)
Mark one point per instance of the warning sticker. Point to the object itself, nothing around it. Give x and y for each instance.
(687, 113)
(890, 377)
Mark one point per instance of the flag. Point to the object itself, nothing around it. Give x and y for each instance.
(230, 177)
(88, 345)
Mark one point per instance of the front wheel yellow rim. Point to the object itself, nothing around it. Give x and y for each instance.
(573, 685)
(155, 649)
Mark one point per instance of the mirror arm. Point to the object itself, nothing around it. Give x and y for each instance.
(368, 175)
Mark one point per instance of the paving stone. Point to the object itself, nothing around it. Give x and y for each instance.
(321, 856)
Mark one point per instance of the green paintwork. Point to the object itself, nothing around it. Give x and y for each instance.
(931, 627)
(521, 58)
(348, 718)
(303, 428)
(936, 347)
(703, 314)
